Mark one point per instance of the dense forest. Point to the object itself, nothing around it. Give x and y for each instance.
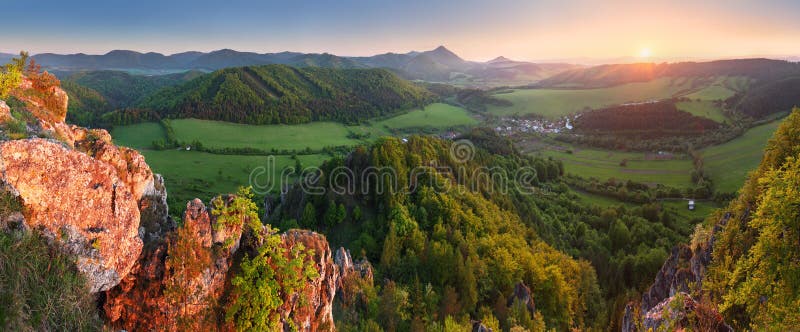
(281, 94)
(769, 97)
(93, 94)
(458, 253)
(651, 120)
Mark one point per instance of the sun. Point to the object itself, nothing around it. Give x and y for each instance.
(644, 53)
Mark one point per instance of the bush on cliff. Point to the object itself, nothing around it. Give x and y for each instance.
(40, 289)
(265, 277)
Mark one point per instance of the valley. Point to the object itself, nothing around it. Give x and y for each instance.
(555, 103)
(626, 166)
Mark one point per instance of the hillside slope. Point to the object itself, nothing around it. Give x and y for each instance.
(615, 74)
(743, 260)
(283, 94)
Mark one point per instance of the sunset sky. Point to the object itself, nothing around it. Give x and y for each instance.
(476, 30)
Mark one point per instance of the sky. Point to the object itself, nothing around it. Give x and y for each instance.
(476, 30)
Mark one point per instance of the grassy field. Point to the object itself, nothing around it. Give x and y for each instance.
(439, 116)
(554, 103)
(678, 209)
(603, 165)
(722, 88)
(729, 163)
(190, 174)
(704, 108)
(315, 135)
(138, 136)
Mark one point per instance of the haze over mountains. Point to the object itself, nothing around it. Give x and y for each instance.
(439, 64)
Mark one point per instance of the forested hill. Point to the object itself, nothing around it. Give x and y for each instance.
(458, 229)
(282, 94)
(755, 274)
(615, 74)
(122, 89)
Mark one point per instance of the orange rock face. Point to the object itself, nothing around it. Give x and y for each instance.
(80, 202)
(82, 191)
(317, 313)
(49, 105)
(141, 302)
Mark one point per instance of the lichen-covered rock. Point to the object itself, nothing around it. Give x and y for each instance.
(154, 221)
(318, 295)
(49, 105)
(347, 266)
(140, 302)
(80, 203)
(5, 111)
(79, 189)
(681, 312)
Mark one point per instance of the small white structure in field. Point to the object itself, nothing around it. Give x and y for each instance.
(691, 205)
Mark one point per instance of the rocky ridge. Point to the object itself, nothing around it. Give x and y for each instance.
(103, 205)
(679, 277)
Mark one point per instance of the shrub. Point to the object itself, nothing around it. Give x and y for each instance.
(264, 281)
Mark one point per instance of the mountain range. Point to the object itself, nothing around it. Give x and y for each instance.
(437, 65)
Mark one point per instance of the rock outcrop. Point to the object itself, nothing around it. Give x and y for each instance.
(142, 301)
(682, 273)
(5, 111)
(362, 268)
(318, 295)
(47, 101)
(80, 203)
(522, 294)
(80, 190)
(681, 311)
(103, 205)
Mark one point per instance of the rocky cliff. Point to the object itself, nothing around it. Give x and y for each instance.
(102, 205)
(80, 190)
(143, 302)
(667, 303)
(315, 311)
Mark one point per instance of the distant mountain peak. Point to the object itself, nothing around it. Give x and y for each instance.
(443, 55)
(117, 52)
(500, 59)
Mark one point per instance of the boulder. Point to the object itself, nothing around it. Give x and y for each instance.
(79, 203)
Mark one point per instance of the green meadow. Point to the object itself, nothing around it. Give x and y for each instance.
(217, 134)
(191, 174)
(722, 88)
(438, 116)
(314, 135)
(554, 103)
(704, 108)
(729, 163)
(605, 164)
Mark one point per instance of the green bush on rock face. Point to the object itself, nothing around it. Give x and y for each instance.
(40, 289)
